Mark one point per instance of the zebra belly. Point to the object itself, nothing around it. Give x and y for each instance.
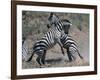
(41, 46)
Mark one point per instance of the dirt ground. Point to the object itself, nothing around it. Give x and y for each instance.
(54, 58)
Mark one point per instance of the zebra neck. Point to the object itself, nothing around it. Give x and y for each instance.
(59, 26)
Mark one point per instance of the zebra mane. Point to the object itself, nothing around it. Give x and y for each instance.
(62, 20)
(63, 24)
(66, 21)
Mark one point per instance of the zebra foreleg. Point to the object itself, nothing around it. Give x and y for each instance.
(41, 58)
(62, 50)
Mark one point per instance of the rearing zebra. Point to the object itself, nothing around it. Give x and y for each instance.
(68, 43)
(55, 35)
(51, 38)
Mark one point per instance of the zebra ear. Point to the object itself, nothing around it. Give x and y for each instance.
(48, 26)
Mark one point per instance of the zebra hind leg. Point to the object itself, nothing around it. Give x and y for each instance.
(69, 55)
(41, 58)
(38, 60)
(78, 53)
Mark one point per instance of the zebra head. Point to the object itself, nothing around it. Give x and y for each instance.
(66, 25)
(53, 19)
(60, 24)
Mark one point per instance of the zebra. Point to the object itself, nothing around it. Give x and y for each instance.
(54, 36)
(51, 38)
(65, 25)
(68, 43)
(24, 49)
(71, 47)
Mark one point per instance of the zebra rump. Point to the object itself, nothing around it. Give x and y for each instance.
(71, 46)
(42, 45)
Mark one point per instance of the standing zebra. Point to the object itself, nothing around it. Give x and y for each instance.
(68, 43)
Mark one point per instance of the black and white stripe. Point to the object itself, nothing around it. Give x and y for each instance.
(57, 34)
(60, 24)
(71, 47)
(40, 47)
(63, 27)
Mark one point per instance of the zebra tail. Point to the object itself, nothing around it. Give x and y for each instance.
(79, 54)
(30, 58)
